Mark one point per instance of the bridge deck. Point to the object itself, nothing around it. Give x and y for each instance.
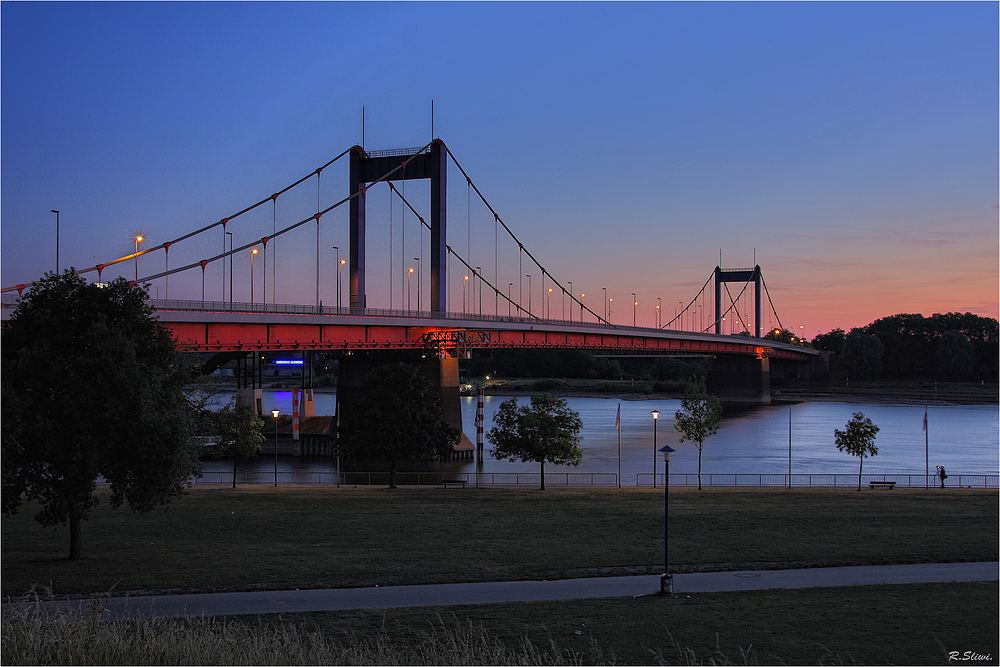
(239, 329)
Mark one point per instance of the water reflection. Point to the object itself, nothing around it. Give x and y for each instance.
(963, 438)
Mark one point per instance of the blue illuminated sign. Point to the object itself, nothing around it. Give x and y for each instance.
(288, 362)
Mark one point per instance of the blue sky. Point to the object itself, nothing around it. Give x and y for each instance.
(851, 148)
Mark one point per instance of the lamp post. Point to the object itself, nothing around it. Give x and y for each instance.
(465, 288)
(548, 303)
(337, 250)
(252, 253)
(581, 306)
(57, 241)
(666, 579)
(138, 240)
(417, 260)
(634, 305)
(340, 267)
(409, 274)
(656, 416)
(230, 235)
(658, 319)
(529, 292)
(275, 413)
(571, 302)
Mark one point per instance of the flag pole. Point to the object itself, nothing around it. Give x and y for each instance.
(618, 426)
(927, 450)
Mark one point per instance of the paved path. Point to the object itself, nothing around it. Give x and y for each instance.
(332, 599)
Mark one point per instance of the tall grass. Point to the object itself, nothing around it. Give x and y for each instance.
(32, 635)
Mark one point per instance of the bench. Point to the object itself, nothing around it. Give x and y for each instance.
(878, 485)
(446, 482)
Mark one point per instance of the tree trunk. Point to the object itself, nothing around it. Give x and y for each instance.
(543, 474)
(859, 471)
(234, 470)
(699, 466)
(75, 543)
(392, 475)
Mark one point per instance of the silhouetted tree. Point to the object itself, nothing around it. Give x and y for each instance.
(91, 386)
(238, 429)
(396, 417)
(862, 357)
(858, 439)
(545, 430)
(698, 418)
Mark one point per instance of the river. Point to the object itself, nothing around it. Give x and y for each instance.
(965, 439)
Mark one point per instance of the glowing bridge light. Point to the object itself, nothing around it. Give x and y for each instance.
(288, 362)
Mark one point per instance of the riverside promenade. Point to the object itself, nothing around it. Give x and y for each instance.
(335, 599)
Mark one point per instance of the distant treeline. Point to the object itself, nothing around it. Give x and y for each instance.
(952, 347)
(528, 363)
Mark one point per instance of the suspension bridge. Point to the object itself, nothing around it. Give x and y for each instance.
(373, 308)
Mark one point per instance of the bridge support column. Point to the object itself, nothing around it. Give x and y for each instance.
(735, 379)
(442, 373)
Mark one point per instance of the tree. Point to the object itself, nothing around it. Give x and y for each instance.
(545, 430)
(92, 385)
(862, 358)
(956, 357)
(698, 418)
(858, 439)
(396, 417)
(239, 431)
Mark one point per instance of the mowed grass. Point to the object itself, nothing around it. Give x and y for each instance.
(292, 537)
(866, 625)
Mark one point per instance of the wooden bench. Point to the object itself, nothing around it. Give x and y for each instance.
(446, 482)
(878, 485)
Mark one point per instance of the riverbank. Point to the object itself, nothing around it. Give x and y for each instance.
(323, 537)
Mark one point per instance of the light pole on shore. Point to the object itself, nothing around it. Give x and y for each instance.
(275, 413)
(666, 579)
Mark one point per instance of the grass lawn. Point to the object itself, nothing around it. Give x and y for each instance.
(254, 537)
(904, 624)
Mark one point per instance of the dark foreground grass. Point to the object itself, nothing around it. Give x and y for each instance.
(867, 625)
(260, 537)
(917, 625)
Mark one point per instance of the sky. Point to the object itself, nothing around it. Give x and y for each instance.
(849, 149)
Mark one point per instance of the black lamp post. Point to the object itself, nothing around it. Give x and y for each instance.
(656, 416)
(275, 413)
(666, 579)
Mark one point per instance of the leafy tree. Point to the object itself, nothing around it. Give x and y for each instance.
(239, 431)
(91, 386)
(858, 439)
(698, 418)
(545, 430)
(396, 417)
(862, 358)
(832, 341)
(956, 357)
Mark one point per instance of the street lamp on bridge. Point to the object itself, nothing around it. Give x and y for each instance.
(634, 305)
(417, 260)
(252, 253)
(138, 240)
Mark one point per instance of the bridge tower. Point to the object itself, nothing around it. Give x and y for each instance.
(737, 276)
(369, 167)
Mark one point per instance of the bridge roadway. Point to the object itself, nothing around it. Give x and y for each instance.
(224, 327)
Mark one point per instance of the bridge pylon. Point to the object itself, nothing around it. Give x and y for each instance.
(367, 167)
(737, 276)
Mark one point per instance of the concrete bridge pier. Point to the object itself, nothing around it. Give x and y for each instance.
(741, 379)
(443, 374)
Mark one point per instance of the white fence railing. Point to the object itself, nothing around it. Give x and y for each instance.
(583, 479)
